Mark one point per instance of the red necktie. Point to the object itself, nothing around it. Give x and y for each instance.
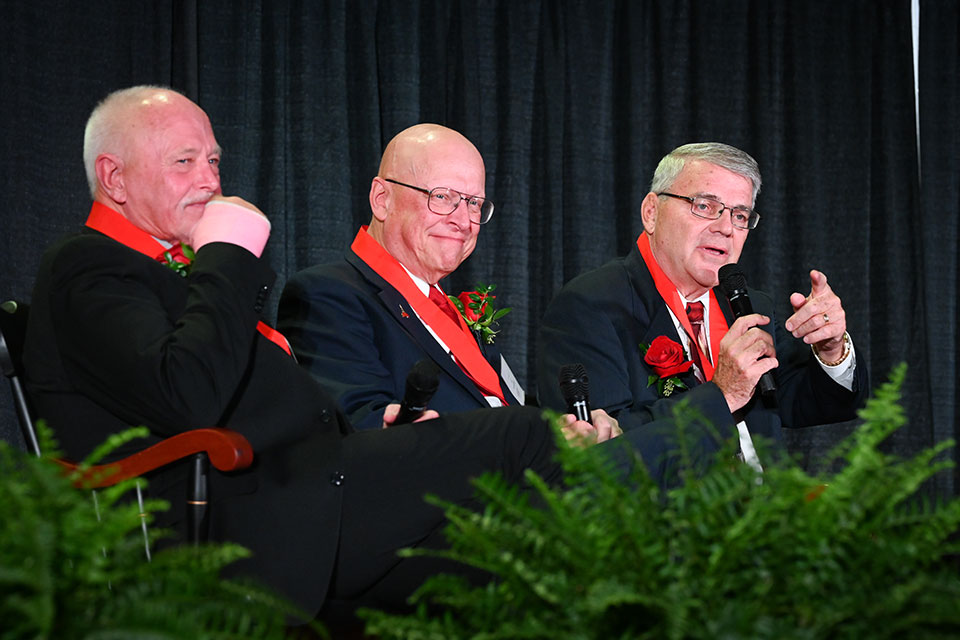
(438, 298)
(695, 315)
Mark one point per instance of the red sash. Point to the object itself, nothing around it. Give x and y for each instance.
(668, 291)
(115, 226)
(458, 339)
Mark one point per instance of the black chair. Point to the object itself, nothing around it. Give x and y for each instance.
(227, 450)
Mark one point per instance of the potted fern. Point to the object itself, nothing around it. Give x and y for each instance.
(726, 554)
(64, 573)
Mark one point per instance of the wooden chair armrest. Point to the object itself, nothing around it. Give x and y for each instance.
(227, 451)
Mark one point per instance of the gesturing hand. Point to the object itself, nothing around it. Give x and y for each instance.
(819, 318)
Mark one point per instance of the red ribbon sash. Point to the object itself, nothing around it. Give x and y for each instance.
(457, 338)
(668, 291)
(113, 225)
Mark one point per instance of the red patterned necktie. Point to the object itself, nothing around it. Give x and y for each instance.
(438, 298)
(695, 315)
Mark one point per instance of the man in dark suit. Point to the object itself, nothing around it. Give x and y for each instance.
(118, 337)
(360, 324)
(696, 219)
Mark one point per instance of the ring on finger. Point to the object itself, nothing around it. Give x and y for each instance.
(826, 319)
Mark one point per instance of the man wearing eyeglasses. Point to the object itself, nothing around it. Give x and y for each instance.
(360, 324)
(696, 219)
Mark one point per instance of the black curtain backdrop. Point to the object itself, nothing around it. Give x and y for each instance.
(571, 104)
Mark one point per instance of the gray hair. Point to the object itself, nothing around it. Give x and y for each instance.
(722, 155)
(105, 130)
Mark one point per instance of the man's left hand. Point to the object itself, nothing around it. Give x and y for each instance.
(819, 318)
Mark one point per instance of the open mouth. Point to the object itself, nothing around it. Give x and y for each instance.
(714, 251)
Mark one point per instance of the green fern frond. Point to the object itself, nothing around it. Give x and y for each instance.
(726, 554)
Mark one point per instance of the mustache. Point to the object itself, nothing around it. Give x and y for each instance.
(200, 199)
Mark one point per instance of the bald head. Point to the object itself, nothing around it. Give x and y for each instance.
(424, 157)
(415, 149)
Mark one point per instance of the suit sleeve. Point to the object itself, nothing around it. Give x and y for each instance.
(129, 340)
(806, 395)
(329, 327)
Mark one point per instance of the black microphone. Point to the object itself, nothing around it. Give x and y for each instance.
(734, 285)
(575, 387)
(422, 383)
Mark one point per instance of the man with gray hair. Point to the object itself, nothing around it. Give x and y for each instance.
(651, 329)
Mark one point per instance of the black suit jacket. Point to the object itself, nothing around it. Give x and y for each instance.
(357, 335)
(600, 318)
(117, 339)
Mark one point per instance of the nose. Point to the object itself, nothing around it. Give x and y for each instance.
(208, 178)
(460, 216)
(724, 224)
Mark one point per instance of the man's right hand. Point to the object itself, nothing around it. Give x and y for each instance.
(391, 411)
(240, 202)
(232, 220)
(746, 353)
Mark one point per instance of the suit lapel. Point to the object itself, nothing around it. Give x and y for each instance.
(650, 304)
(398, 309)
(492, 354)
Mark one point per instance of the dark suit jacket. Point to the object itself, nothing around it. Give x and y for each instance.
(600, 318)
(357, 335)
(117, 339)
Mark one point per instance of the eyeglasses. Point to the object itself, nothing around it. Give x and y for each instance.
(710, 209)
(445, 201)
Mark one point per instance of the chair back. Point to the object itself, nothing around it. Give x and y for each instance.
(13, 331)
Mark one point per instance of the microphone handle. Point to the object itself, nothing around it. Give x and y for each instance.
(408, 413)
(580, 408)
(740, 305)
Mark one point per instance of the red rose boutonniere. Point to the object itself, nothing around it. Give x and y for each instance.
(666, 356)
(179, 257)
(477, 309)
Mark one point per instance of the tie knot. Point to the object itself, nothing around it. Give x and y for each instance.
(695, 312)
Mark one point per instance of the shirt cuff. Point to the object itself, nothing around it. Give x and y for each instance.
(842, 373)
(234, 224)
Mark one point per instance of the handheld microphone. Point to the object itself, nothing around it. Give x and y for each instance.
(734, 285)
(575, 387)
(422, 383)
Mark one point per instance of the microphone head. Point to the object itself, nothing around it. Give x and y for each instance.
(574, 383)
(422, 379)
(732, 280)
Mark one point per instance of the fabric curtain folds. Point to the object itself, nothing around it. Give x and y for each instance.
(571, 105)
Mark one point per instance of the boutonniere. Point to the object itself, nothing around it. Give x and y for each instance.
(477, 309)
(666, 356)
(179, 258)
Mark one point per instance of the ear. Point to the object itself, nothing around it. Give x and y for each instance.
(109, 170)
(379, 198)
(649, 209)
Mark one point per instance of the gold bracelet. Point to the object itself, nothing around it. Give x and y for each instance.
(843, 356)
